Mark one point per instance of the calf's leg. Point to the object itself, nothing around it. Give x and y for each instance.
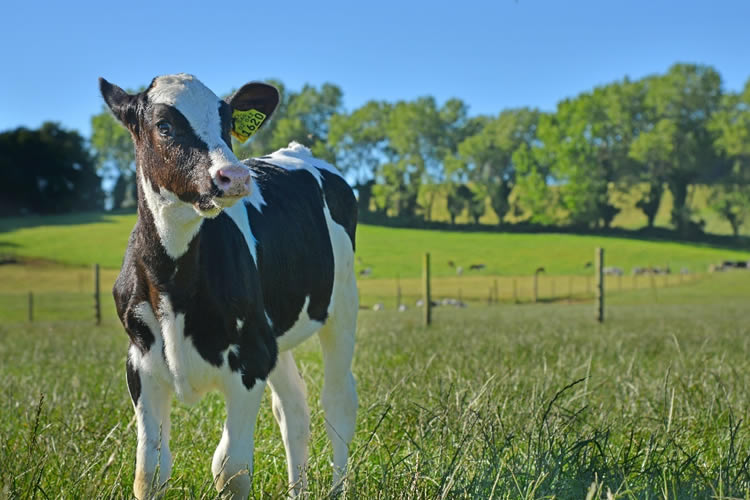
(339, 395)
(151, 400)
(290, 408)
(232, 464)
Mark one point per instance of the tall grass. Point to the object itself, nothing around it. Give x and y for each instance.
(532, 401)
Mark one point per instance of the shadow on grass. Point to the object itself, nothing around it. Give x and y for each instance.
(8, 224)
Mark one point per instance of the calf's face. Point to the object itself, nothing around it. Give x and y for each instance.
(181, 132)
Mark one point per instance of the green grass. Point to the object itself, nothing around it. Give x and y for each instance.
(528, 401)
(85, 239)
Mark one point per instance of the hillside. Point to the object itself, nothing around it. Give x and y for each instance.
(84, 239)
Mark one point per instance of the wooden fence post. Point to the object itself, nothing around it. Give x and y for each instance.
(31, 307)
(570, 289)
(536, 287)
(97, 303)
(599, 289)
(515, 291)
(426, 290)
(398, 292)
(497, 292)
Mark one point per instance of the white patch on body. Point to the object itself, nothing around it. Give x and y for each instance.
(302, 329)
(238, 213)
(256, 197)
(298, 157)
(197, 103)
(176, 222)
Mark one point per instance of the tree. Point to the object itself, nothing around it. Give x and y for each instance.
(654, 150)
(731, 126)
(456, 199)
(732, 202)
(115, 156)
(427, 196)
(360, 143)
(682, 103)
(532, 191)
(486, 157)
(49, 170)
(420, 138)
(589, 137)
(476, 203)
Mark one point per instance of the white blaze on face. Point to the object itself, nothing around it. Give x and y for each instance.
(200, 106)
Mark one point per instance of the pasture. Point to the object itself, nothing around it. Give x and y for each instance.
(509, 401)
(493, 401)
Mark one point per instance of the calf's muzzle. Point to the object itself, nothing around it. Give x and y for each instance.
(233, 180)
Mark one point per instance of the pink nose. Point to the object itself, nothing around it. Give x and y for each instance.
(233, 180)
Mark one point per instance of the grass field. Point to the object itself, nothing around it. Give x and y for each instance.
(524, 401)
(502, 401)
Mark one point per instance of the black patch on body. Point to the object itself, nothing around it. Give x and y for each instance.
(341, 202)
(295, 258)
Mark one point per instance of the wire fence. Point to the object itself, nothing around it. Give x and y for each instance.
(71, 294)
(475, 290)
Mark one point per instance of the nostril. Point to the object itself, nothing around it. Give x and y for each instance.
(233, 180)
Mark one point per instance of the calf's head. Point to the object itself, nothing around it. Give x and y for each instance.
(181, 132)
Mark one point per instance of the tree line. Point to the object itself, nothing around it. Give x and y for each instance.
(663, 132)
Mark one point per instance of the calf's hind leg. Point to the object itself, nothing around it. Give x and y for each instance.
(289, 400)
(232, 463)
(339, 395)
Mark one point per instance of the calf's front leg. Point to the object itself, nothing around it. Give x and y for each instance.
(151, 400)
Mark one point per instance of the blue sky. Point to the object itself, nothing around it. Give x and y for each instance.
(494, 54)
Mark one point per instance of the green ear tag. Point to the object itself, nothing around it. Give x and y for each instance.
(246, 123)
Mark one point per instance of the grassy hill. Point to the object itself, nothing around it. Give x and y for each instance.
(84, 239)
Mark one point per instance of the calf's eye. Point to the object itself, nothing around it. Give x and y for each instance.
(165, 129)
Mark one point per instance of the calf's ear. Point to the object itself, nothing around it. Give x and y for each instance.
(120, 102)
(252, 107)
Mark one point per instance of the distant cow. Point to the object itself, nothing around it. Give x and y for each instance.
(230, 265)
(477, 267)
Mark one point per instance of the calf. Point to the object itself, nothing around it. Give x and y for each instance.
(229, 266)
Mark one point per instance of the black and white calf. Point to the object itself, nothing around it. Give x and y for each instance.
(230, 265)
